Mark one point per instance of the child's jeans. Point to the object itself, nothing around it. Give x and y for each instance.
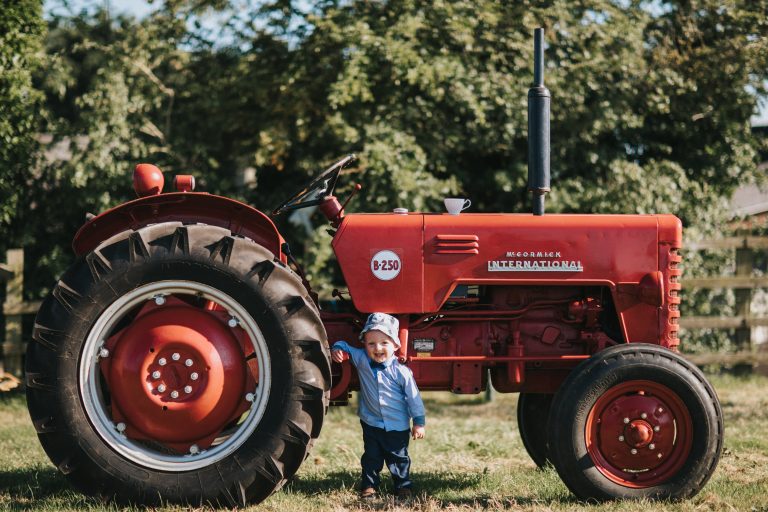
(390, 447)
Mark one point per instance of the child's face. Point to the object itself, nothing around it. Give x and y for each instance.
(378, 346)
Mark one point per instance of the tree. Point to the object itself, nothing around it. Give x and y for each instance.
(21, 33)
(104, 104)
(650, 105)
(650, 109)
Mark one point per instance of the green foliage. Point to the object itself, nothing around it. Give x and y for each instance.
(103, 102)
(650, 107)
(21, 32)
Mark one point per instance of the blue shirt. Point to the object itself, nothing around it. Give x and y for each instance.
(389, 397)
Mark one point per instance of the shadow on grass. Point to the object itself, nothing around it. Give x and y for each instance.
(24, 489)
(43, 488)
(447, 489)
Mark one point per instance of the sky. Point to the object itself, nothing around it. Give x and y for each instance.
(140, 8)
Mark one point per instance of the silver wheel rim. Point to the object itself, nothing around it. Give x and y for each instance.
(91, 393)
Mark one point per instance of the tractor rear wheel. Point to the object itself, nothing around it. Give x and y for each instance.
(532, 414)
(178, 363)
(635, 421)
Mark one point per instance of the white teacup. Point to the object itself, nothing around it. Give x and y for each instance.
(455, 205)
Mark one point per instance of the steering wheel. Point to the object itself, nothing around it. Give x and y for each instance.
(316, 190)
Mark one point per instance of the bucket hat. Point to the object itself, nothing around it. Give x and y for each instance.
(384, 323)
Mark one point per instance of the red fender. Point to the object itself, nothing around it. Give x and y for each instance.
(189, 207)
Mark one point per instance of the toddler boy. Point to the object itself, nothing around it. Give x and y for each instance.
(389, 398)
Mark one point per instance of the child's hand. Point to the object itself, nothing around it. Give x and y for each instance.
(338, 355)
(418, 431)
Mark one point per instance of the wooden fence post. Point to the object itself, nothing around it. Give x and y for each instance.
(13, 346)
(743, 296)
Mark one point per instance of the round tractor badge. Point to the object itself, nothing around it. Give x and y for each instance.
(385, 265)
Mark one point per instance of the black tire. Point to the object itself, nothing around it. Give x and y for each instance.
(619, 384)
(265, 449)
(532, 415)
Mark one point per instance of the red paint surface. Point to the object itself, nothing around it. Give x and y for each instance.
(612, 249)
(147, 180)
(659, 431)
(185, 207)
(184, 183)
(217, 395)
(530, 327)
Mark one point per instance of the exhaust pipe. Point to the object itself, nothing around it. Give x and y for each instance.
(538, 127)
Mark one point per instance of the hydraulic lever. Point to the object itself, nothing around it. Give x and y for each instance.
(358, 188)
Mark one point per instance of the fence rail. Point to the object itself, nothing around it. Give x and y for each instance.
(731, 242)
(731, 359)
(726, 282)
(26, 308)
(722, 322)
(743, 284)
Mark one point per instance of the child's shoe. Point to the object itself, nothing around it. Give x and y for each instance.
(403, 494)
(368, 493)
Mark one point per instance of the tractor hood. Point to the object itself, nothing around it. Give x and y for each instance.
(410, 263)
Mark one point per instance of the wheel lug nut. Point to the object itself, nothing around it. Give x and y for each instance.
(120, 427)
(621, 438)
(188, 362)
(161, 388)
(658, 455)
(174, 394)
(661, 409)
(232, 322)
(651, 446)
(187, 389)
(626, 420)
(159, 300)
(194, 449)
(194, 376)
(643, 415)
(156, 374)
(161, 361)
(656, 428)
(633, 451)
(176, 356)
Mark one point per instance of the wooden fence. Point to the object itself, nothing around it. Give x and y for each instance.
(743, 285)
(14, 346)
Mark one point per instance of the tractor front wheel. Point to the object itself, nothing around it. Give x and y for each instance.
(635, 421)
(178, 363)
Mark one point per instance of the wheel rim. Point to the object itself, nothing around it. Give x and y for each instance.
(639, 434)
(191, 375)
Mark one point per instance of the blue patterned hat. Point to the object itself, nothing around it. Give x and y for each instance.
(384, 323)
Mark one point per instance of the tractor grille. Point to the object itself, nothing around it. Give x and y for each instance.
(457, 244)
(670, 321)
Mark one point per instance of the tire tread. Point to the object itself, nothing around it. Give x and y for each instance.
(199, 245)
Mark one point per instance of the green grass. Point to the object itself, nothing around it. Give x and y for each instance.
(472, 459)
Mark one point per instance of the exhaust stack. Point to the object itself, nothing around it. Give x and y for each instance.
(538, 127)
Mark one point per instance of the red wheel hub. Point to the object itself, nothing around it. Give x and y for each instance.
(638, 433)
(177, 375)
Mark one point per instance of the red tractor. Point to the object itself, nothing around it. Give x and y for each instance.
(184, 357)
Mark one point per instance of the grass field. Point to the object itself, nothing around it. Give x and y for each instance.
(472, 459)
